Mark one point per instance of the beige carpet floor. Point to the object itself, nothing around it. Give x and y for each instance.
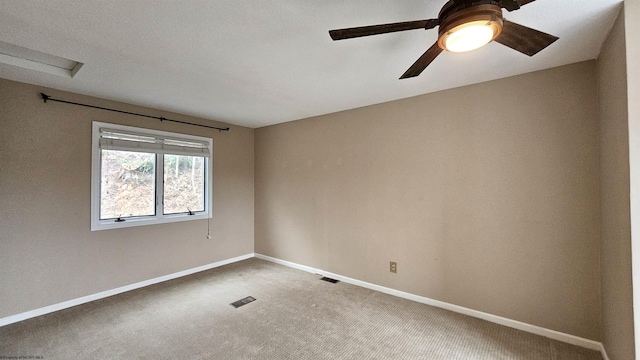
(295, 316)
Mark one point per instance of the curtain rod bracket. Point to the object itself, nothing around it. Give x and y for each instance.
(46, 97)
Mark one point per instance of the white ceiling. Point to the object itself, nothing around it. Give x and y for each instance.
(261, 62)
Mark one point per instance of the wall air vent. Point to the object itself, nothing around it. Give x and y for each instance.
(35, 60)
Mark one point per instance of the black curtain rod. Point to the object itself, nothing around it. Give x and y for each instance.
(46, 97)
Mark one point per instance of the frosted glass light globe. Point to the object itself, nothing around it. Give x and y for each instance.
(469, 36)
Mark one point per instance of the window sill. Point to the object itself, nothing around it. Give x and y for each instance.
(149, 220)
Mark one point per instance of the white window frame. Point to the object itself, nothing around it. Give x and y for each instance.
(159, 217)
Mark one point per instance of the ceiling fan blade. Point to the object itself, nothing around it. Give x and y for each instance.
(423, 61)
(512, 5)
(523, 39)
(341, 34)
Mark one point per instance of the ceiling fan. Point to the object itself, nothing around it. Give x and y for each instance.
(464, 25)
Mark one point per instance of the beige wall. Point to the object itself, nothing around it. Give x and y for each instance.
(632, 31)
(617, 297)
(48, 253)
(486, 196)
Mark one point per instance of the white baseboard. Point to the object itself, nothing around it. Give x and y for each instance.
(603, 352)
(556, 335)
(288, 263)
(85, 299)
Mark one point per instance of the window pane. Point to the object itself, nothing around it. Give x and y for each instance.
(183, 184)
(127, 184)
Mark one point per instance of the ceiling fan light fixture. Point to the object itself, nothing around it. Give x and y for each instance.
(463, 25)
(470, 36)
(471, 28)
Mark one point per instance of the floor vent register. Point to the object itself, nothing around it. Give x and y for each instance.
(242, 302)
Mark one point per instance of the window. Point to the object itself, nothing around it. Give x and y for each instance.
(143, 177)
